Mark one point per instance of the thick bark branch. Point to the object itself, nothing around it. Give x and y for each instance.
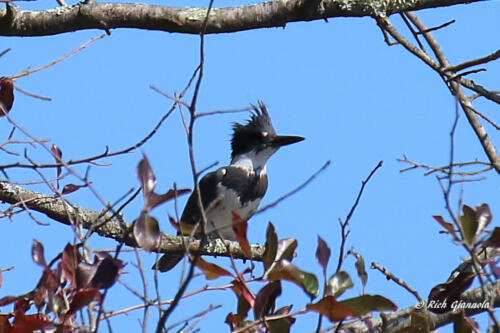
(400, 320)
(16, 22)
(62, 211)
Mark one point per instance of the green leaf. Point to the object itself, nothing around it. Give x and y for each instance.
(468, 221)
(360, 268)
(281, 325)
(367, 303)
(285, 270)
(286, 249)
(338, 283)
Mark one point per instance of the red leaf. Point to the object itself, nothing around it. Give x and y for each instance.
(447, 225)
(84, 273)
(155, 199)
(494, 239)
(211, 270)
(37, 253)
(107, 271)
(6, 95)
(265, 299)
(57, 153)
(146, 176)
(50, 280)
(323, 253)
(69, 188)
(241, 289)
(147, 179)
(147, 232)
(335, 311)
(233, 320)
(101, 274)
(271, 247)
(69, 262)
(240, 232)
(29, 323)
(81, 299)
(4, 323)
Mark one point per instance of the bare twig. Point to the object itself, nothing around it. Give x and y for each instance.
(295, 190)
(491, 122)
(343, 225)
(446, 168)
(166, 313)
(454, 86)
(214, 112)
(474, 62)
(474, 96)
(27, 93)
(52, 63)
(437, 27)
(4, 52)
(394, 278)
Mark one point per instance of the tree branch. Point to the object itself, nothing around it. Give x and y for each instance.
(399, 320)
(105, 16)
(64, 212)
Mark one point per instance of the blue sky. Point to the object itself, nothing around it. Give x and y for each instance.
(356, 100)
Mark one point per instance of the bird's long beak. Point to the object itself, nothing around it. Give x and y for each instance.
(283, 140)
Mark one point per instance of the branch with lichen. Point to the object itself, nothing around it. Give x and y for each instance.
(106, 16)
(61, 210)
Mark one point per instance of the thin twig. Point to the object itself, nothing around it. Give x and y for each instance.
(455, 76)
(214, 112)
(413, 32)
(445, 169)
(166, 313)
(52, 63)
(491, 122)
(394, 278)
(344, 224)
(295, 190)
(4, 51)
(436, 27)
(474, 62)
(27, 93)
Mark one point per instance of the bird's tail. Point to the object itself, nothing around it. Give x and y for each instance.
(168, 261)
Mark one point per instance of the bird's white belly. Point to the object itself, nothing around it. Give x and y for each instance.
(220, 216)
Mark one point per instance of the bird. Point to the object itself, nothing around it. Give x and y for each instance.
(238, 188)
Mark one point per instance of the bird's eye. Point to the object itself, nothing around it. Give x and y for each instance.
(265, 134)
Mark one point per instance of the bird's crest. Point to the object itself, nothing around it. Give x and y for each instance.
(253, 129)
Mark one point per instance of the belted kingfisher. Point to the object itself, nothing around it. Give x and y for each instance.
(240, 186)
